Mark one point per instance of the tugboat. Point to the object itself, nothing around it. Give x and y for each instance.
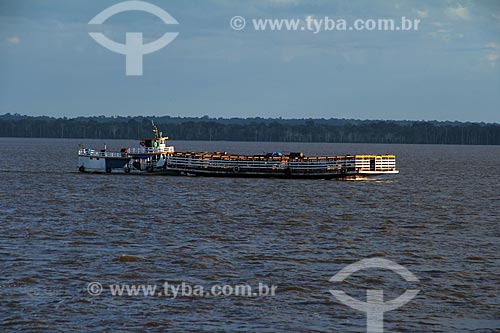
(150, 157)
(155, 157)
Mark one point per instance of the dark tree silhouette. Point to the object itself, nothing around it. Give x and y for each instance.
(253, 129)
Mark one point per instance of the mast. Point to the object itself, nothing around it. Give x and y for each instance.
(155, 129)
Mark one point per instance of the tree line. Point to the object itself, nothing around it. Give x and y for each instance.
(254, 129)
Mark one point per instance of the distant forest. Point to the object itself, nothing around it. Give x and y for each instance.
(253, 129)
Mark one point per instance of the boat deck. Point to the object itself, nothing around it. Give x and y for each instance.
(217, 164)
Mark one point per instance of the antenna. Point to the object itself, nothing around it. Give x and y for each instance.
(155, 130)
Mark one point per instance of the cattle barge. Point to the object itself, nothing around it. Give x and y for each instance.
(154, 156)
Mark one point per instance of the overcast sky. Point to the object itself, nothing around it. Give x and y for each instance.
(447, 70)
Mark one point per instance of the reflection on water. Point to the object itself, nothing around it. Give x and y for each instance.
(63, 229)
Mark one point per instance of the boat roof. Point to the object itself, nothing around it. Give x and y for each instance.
(158, 138)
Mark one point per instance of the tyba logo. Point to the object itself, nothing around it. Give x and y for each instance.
(134, 49)
(374, 307)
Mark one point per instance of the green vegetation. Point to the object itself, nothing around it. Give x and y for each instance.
(253, 129)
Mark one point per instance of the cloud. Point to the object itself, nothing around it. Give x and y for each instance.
(422, 13)
(439, 24)
(459, 12)
(493, 52)
(442, 34)
(492, 56)
(14, 40)
(493, 45)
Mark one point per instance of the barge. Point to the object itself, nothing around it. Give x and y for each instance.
(154, 156)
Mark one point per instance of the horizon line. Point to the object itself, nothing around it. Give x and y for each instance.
(207, 117)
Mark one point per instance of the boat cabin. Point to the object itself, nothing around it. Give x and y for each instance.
(158, 142)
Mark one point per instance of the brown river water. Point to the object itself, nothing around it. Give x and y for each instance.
(61, 230)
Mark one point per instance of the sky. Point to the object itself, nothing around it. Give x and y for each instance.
(448, 69)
